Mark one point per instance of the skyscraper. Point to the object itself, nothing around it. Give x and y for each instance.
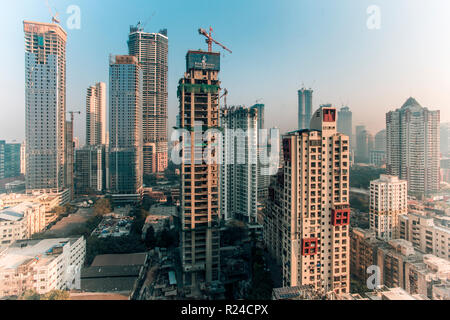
(2, 159)
(345, 123)
(151, 50)
(306, 226)
(239, 170)
(388, 200)
(96, 115)
(69, 157)
(45, 105)
(125, 114)
(198, 93)
(304, 108)
(364, 144)
(445, 139)
(412, 134)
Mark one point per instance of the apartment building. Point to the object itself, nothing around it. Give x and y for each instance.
(388, 200)
(308, 207)
(426, 234)
(363, 251)
(239, 167)
(40, 265)
(96, 114)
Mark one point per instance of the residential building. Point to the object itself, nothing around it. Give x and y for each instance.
(363, 252)
(2, 159)
(125, 114)
(445, 139)
(23, 163)
(364, 144)
(388, 200)
(412, 152)
(45, 94)
(304, 108)
(310, 208)
(41, 265)
(91, 169)
(426, 234)
(11, 159)
(96, 115)
(151, 51)
(198, 93)
(345, 123)
(239, 169)
(69, 157)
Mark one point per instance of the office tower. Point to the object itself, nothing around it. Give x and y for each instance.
(91, 169)
(412, 151)
(45, 105)
(12, 160)
(151, 50)
(239, 170)
(2, 159)
(23, 163)
(308, 214)
(388, 200)
(304, 108)
(345, 123)
(364, 144)
(198, 94)
(125, 114)
(96, 115)
(380, 141)
(445, 139)
(378, 154)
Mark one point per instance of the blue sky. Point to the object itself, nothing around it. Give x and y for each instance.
(277, 45)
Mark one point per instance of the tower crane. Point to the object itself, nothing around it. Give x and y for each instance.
(209, 39)
(72, 113)
(224, 96)
(54, 16)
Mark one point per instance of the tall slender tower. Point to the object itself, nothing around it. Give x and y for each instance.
(304, 108)
(151, 50)
(96, 115)
(306, 226)
(345, 123)
(412, 148)
(125, 113)
(45, 105)
(198, 94)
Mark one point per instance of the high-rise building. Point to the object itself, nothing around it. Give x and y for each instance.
(151, 50)
(304, 108)
(91, 169)
(239, 170)
(445, 139)
(96, 115)
(345, 123)
(388, 200)
(2, 159)
(412, 148)
(69, 157)
(12, 160)
(23, 163)
(308, 212)
(198, 93)
(380, 141)
(364, 144)
(125, 114)
(45, 105)
(378, 154)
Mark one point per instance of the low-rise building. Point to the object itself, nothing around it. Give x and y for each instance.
(40, 265)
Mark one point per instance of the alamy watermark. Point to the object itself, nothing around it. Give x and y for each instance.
(374, 17)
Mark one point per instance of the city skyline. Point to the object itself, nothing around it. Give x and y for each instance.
(327, 65)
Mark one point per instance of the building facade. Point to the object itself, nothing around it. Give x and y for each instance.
(312, 211)
(412, 151)
(304, 108)
(239, 169)
(198, 93)
(345, 123)
(151, 51)
(388, 201)
(91, 169)
(125, 114)
(96, 115)
(45, 105)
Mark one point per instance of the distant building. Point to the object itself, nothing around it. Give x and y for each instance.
(41, 265)
(445, 139)
(364, 144)
(125, 110)
(388, 201)
(413, 146)
(96, 115)
(378, 154)
(91, 169)
(345, 123)
(304, 108)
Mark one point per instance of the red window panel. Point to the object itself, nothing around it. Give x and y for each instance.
(329, 115)
(341, 216)
(310, 246)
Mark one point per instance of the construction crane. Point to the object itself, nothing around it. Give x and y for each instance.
(224, 96)
(54, 16)
(72, 113)
(209, 39)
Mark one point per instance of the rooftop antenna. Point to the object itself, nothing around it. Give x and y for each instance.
(54, 16)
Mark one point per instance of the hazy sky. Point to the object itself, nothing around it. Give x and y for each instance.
(277, 45)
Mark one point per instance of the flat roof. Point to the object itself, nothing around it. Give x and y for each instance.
(127, 259)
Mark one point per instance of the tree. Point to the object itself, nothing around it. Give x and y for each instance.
(56, 295)
(102, 206)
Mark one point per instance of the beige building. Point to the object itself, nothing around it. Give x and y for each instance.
(388, 200)
(363, 252)
(307, 221)
(426, 234)
(40, 265)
